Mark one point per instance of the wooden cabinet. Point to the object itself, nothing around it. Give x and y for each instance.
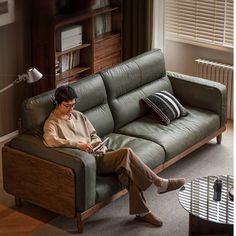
(101, 45)
(107, 52)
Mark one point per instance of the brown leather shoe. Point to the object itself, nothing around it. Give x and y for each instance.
(174, 184)
(151, 219)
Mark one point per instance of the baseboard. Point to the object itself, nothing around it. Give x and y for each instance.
(9, 136)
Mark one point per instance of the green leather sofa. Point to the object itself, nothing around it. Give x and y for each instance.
(64, 180)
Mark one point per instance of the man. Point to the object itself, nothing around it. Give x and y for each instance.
(66, 127)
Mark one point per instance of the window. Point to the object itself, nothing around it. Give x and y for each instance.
(200, 22)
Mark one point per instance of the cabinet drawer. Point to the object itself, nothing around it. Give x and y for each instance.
(107, 62)
(107, 47)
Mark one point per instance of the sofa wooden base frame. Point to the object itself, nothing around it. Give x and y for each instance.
(40, 182)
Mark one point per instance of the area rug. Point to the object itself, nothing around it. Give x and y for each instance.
(114, 219)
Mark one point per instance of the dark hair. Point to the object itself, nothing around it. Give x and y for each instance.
(64, 94)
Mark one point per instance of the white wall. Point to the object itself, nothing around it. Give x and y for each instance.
(179, 57)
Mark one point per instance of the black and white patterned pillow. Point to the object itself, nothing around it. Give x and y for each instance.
(165, 106)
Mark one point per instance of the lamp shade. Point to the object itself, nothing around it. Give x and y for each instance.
(33, 75)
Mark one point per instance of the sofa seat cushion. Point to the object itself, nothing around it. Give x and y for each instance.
(149, 152)
(179, 135)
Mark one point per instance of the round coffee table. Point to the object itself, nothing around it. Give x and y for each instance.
(207, 216)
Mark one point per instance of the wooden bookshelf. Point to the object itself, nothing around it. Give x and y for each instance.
(58, 54)
(101, 42)
(70, 73)
(103, 10)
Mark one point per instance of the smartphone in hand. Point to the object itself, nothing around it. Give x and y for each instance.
(100, 144)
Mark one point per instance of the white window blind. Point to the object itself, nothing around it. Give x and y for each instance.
(200, 21)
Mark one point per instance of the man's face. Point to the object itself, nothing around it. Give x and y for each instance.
(66, 108)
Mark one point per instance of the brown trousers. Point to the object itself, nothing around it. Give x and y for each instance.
(132, 173)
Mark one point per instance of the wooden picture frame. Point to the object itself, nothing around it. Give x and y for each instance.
(7, 12)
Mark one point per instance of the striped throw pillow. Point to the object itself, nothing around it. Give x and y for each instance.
(165, 106)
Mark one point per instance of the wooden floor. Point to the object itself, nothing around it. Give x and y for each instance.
(20, 222)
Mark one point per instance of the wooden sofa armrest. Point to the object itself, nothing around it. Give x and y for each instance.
(82, 164)
(41, 182)
(201, 93)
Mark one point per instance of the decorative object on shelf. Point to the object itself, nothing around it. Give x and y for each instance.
(32, 76)
(217, 189)
(69, 37)
(231, 193)
(7, 14)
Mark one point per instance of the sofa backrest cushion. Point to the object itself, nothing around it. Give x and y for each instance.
(92, 101)
(34, 112)
(132, 80)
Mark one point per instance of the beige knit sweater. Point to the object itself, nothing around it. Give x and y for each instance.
(60, 132)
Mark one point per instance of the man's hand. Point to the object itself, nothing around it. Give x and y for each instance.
(85, 147)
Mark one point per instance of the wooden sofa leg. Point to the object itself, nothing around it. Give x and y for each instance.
(18, 202)
(219, 138)
(80, 223)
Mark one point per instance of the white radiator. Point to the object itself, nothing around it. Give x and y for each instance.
(220, 73)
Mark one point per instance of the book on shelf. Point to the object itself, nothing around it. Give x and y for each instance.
(98, 25)
(102, 24)
(68, 61)
(76, 58)
(69, 37)
(107, 25)
(64, 63)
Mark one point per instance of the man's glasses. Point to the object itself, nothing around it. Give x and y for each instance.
(69, 106)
